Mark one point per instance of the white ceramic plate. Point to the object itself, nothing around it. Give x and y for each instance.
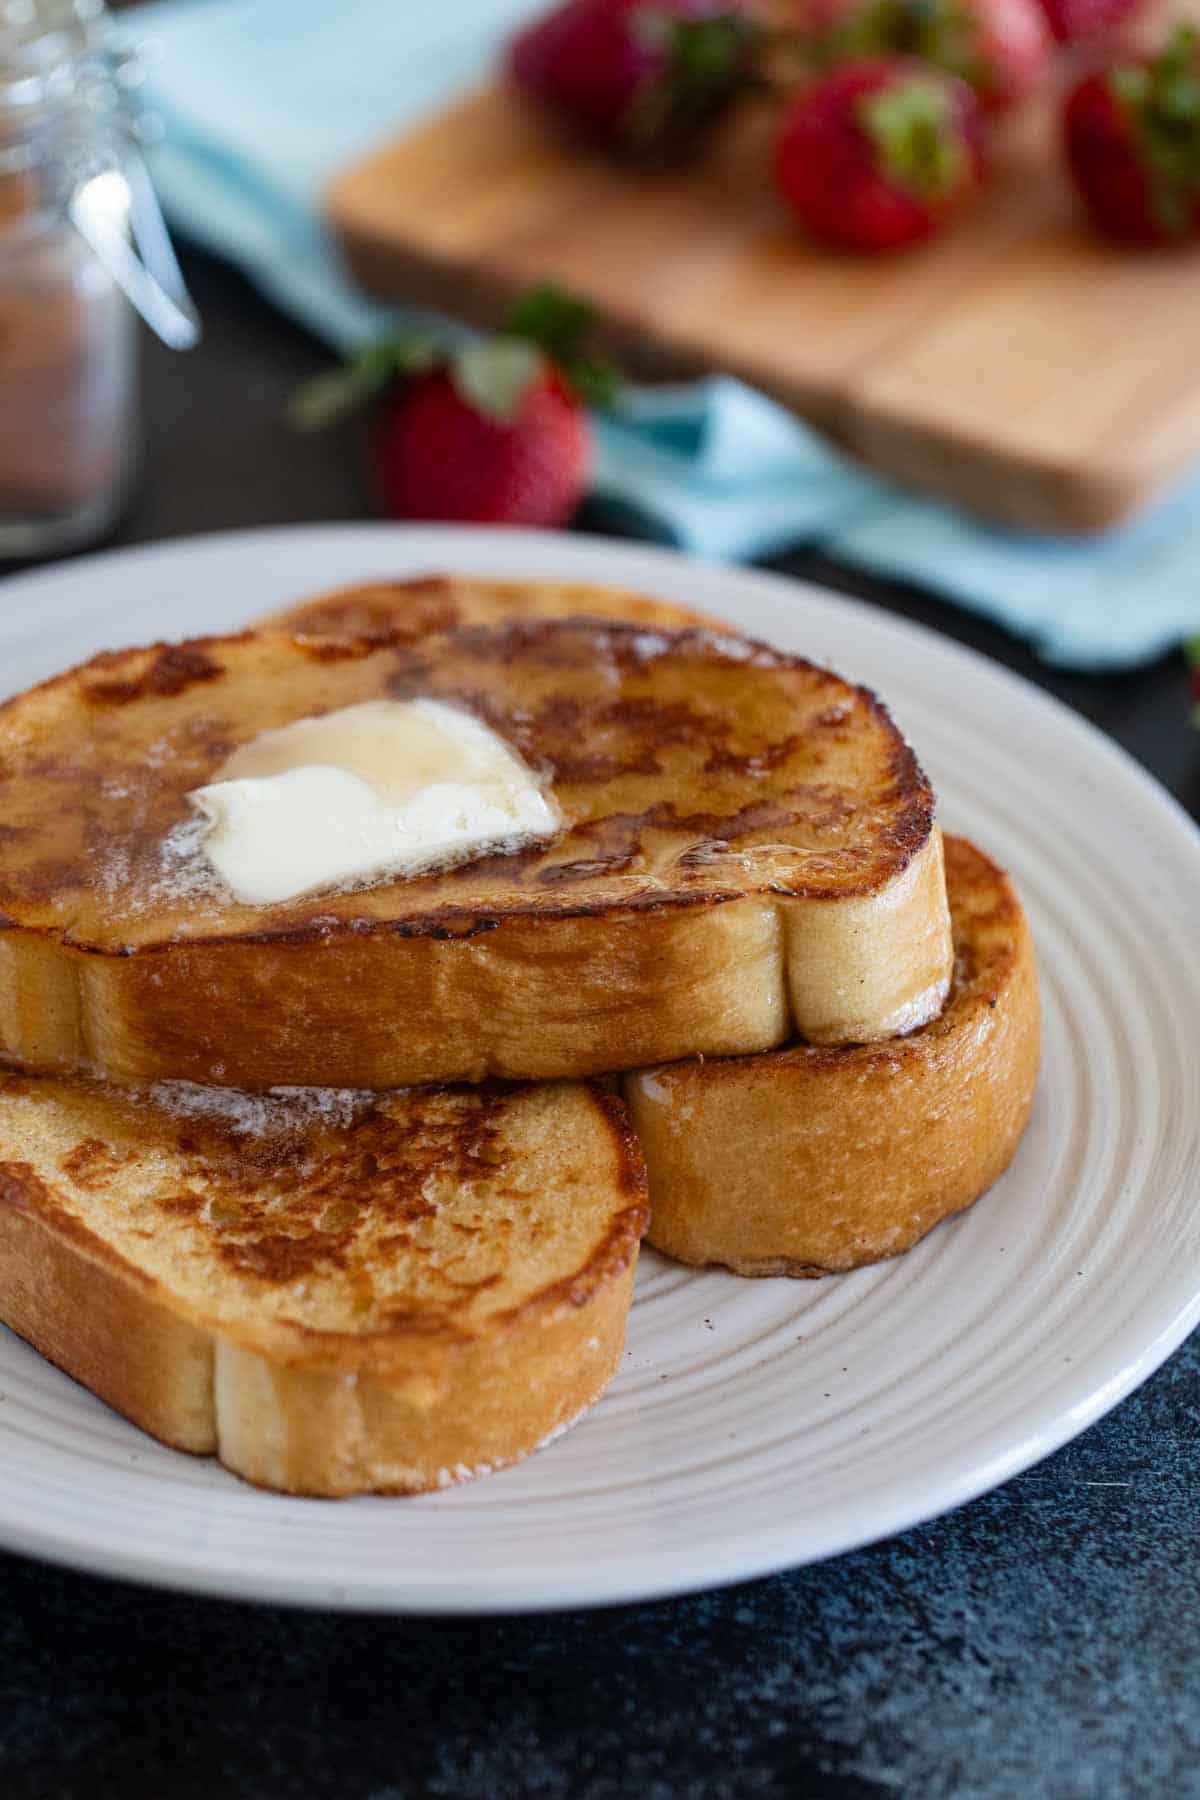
(753, 1425)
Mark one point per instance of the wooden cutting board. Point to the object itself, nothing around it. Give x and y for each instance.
(1017, 365)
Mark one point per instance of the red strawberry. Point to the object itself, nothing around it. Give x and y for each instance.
(496, 432)
(1133, 144)
(1073, 19)
(640, 77)
(1002, 47)
(880, 153)
(444, 452)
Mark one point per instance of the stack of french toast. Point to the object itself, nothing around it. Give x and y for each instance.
(372, 981)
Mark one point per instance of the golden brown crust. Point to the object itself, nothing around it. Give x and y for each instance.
(337, 1294)
(301, 1430)
(414, 607)
(810, 1160)
(99, 1319)
(661, 747)
(699, 775)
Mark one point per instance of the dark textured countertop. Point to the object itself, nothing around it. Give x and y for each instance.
(1039, 1642)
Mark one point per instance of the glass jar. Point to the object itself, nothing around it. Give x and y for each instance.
(68, 354)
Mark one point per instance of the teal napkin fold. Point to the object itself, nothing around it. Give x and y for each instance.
(260, 101)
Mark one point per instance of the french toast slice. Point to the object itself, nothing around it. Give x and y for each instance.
(333, 1292)
(749, 850)
(811, 1161)
(413, 607)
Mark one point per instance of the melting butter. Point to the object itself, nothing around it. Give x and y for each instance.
(386, 787)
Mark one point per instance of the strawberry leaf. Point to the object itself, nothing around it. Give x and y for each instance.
(943, 32)
(596, 382)
(328, 398)
(494, 377)
(559, 324)
(554, 321)
(911, 125)
(1161, 101)
(703, 63)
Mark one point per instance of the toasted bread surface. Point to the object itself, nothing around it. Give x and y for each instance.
(417, 606)
(334, 1292)
(749, 849)
(809, 1161)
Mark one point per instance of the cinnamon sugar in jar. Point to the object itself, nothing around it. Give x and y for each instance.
(68, 351)
(67, 385)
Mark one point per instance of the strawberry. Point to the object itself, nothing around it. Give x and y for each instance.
(879, 153)
(638, 77)
(1001, 47)
(513, 449)
(1071, 20)
(1133, 144)
(495, 432)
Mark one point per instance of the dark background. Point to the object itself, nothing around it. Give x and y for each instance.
(1041, 1641)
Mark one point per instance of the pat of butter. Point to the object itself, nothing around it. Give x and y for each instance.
(388, 787)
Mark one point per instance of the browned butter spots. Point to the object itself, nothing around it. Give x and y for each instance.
(288, 1199)
(385, 612)
(601, 765)
(618, 839)
(762, 761)
(184, 1205)
(172, 670)
(336, 649)
(22, 1188)
(93, 1163)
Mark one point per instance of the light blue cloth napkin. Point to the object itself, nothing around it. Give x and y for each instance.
(262, 100)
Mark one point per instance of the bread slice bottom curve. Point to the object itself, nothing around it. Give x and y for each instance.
(810, 1161)
(334, 1293)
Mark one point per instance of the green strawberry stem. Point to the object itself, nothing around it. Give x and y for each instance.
(331, 397)
(1161, 100)
(706, 61)
(937, 31)
(912, 127)
(561, 325)
(493, 375)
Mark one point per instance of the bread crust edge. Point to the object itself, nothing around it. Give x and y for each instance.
(326, 1414)
(811, 1160)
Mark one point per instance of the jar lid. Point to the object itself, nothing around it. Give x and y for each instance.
(64, 111)
(62, 81)
(42, 44)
